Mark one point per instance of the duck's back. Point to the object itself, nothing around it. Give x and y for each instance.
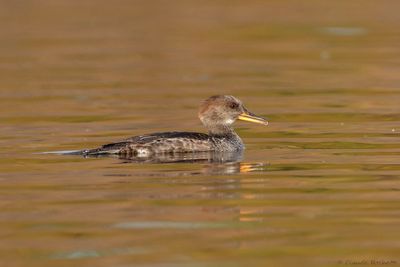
(165, 142)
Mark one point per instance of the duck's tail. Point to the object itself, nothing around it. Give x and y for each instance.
(65, 152)
(85, 153)
(114, 148)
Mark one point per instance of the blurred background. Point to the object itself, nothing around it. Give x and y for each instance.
(319, 186)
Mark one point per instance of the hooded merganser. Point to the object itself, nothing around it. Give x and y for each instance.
(217, 114)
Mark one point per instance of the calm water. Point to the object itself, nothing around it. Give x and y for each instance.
(317, 187)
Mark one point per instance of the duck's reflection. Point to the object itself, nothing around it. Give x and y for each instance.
(195, 157)
(201, 171)
(212, 162)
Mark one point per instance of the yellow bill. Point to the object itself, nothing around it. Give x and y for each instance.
(252, 118)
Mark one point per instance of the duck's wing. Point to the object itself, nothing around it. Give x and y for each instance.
(145, 141)
(147, 138)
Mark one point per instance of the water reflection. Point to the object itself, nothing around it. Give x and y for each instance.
(212, 162)
(238, 167)
(195, 157)
(93, 253)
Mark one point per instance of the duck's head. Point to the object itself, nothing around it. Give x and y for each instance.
(218, 113)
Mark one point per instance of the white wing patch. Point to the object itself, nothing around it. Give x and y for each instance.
(143, 152)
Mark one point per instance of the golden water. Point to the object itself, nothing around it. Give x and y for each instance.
(318, 187)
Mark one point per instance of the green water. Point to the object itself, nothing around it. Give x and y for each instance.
(318, 187)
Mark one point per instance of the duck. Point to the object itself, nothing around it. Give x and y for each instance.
(217, 113)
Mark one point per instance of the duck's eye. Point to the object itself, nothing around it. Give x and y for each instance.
(233, 105)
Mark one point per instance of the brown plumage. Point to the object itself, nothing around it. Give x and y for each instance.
(217, 114)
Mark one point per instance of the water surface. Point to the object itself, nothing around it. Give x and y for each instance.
(318, 187)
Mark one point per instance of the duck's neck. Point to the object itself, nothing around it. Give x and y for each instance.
(225, 139)
(221, 130)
